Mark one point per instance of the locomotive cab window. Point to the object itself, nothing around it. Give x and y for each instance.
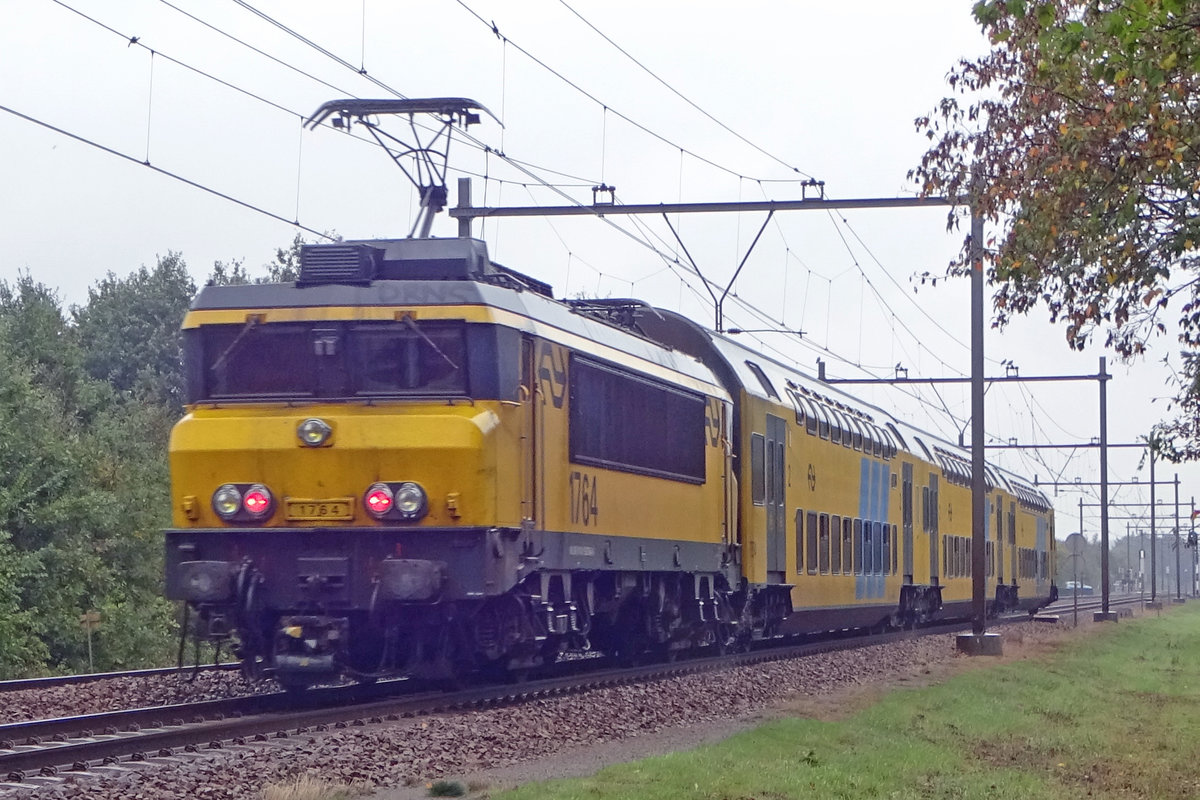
(334, 360)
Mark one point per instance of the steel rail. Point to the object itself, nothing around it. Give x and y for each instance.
(21, 684)
(275, 716)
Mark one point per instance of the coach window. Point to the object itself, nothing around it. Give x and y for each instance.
(835, 425)
(858, 547)
(880, 548)
(810, 422)
(798, 404)
(767, 386)
(856, 426)
(890, 448)
(885, 549)
(895, 551)
(799, 541)
(823, 555)
(877, 441)
(835, 545)
(810, 533)
(868, 547)
(847, 546)
(823, 420)
(758, 483)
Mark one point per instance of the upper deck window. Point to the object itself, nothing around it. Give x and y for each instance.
(768, 387)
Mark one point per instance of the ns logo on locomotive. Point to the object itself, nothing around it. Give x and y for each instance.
(413, 460)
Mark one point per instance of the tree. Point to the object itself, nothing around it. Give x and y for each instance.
(129, 329)
(1083, 126)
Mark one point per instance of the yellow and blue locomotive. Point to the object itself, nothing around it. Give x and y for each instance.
(413, 460)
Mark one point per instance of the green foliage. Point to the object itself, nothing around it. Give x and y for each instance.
(129, 330)
(447, 789)
(1080, 125)
(87, 401)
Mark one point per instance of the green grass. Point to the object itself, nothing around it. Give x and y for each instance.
(1112, 715)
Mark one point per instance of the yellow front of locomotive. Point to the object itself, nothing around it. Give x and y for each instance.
(340, 469)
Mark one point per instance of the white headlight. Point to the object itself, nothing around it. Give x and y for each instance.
(227, 501)
(314, 432)
(410, 500)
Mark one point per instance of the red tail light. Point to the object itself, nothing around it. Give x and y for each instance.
(257, 501)
(378, 500)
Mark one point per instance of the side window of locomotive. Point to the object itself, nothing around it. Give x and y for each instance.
(758, 481)
(259, 360)
(409, 359)
(624, 421)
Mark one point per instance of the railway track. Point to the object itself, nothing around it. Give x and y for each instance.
(22, 684)
(44, 752)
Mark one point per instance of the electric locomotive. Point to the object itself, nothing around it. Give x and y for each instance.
(413, 460)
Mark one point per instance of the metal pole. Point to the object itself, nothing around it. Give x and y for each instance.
(978, 488)
(1104, 486)
(1128, 562)
(464, 202)
(1153, 555)
(1178, 590)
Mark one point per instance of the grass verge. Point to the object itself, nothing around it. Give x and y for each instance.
(1112, 715)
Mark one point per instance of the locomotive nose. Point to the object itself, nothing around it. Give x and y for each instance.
(398, 465)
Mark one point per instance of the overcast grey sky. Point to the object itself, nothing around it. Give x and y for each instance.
(826, 90)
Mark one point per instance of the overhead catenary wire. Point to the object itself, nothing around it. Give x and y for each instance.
(683, 97)
(494, 28)
(175, 176)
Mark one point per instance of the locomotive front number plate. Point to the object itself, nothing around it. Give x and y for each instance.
(337, 508)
